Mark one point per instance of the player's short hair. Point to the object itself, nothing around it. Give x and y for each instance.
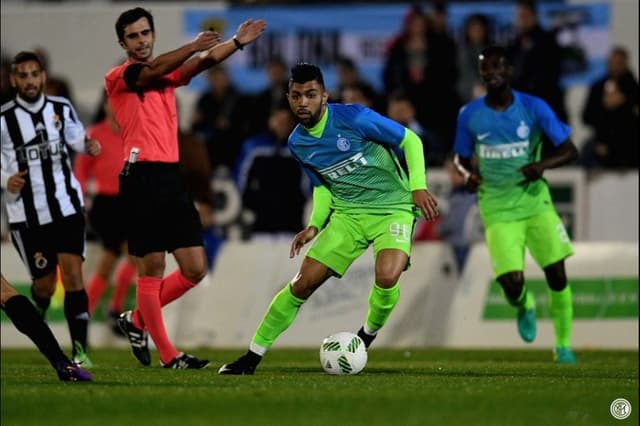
(130, 16)
(304, 71)
(496, 51)
(26, 56)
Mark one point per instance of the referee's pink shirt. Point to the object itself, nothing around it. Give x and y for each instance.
(149, 120)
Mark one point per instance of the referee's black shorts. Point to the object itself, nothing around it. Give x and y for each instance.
(107, 219)
(159, 213)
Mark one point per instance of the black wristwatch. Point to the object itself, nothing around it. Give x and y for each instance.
(239, 45)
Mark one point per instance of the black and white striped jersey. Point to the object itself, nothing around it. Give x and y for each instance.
(36, 137)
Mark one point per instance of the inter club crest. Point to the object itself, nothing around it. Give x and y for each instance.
(523, 130)
(343, 144)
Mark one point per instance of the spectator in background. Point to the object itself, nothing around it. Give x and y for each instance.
(348, 75)
(612, 111)
(6, 90)
(460, 224)
(401, 109)
(439, 25)
(273, 187)
(359, 93)
(271, 97)
(218, 119)
(536, 58)
(106, 216)
(424, 66)
(56, 85)
(196, 172)
(476, 37)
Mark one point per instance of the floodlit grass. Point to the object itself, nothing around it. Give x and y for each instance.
(398, 388)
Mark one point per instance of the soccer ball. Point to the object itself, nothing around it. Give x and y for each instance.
(343, 353)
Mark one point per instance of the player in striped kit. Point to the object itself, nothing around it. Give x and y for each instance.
(45, 202)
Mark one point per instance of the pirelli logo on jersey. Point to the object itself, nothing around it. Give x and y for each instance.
(507, 150)
(40, 151)
(344, 167)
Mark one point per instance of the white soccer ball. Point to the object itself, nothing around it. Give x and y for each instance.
(343, 353)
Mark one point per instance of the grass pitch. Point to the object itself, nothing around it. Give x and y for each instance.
(398, 388)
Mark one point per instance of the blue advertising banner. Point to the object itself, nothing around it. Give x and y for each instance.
(321, 34)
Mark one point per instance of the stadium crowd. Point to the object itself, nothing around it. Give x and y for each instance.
(428, 74)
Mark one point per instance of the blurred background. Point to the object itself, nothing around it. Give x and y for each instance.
(235, 118)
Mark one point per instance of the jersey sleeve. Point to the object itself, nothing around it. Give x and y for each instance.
(463, 144)
(375, 127)
(114, 81)
(176, 78)
(74, 132)
(557, 131)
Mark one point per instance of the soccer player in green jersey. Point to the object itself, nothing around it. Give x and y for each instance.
(362, 196)
(503, 131)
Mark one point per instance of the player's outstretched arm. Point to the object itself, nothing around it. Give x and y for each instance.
(564, 154)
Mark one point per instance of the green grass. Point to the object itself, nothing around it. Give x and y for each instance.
(398, 388)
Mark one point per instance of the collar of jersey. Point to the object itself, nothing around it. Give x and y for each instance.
(316, 131)
(31, 106)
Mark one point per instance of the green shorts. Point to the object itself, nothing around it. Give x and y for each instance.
(544, 235)
(347, 236)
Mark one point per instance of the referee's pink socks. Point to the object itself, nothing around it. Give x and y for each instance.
(95, 289)
(124, 277)
(173, 286)
(148, 300)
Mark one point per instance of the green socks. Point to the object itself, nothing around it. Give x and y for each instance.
(561, 306)
(285, 306)
(381, 303)
(281, 313)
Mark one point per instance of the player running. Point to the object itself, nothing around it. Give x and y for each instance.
(503, 131)
(362, 196)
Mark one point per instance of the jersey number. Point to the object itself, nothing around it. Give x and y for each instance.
(401, 232)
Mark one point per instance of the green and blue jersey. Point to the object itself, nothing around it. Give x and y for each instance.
(503, 142)
(355, 152)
